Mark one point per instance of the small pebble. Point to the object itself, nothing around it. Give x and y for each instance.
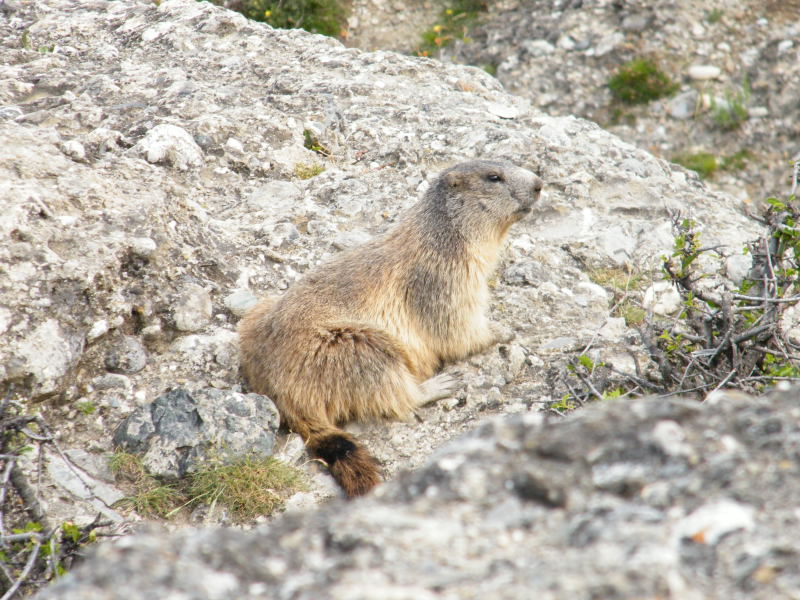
(704, 72)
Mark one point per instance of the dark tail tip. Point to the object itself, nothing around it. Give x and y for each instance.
(351, 465)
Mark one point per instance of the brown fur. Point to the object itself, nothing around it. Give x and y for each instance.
(357, 337)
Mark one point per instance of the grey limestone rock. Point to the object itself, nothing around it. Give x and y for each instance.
(180, 430)
(172, 145)
(126, 355)
(192, 310)
(651, 498)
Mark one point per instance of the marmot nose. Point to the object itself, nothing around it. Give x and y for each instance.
(537, 184)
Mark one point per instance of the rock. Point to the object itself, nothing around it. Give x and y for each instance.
(704, 72)
(614, 329)
(46, 356)
(143, 247)
(737, 267)
(74, 149)
(180, 431)
(170, 144)
(72, 249)
(277, 198)
(790, 323)
(662, 298)
(205, 352)
(684, 105)
(503, 111)
(594, 41)
(99, 495)
(522, 507)
(98, 329)
(711, 522)
(239, 301)
(126, 355)
(192, 310)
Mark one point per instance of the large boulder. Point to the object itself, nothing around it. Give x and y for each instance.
(652, 498)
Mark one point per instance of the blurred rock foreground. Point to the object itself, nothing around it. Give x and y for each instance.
(642, 499)
(154, 179)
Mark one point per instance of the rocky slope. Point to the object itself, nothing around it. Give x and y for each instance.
(561, 55)
(155, 175)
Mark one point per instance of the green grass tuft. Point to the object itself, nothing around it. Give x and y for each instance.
(704, 163)
(249, 488)
(252, 487)
(640, 81)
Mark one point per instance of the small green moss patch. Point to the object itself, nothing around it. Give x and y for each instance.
(307, 171)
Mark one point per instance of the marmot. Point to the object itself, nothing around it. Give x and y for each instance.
(360, 337)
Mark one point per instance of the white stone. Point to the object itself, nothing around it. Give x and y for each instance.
(100, 496)
(170, 144)
(662, 298)
(143, 246)
(5, 319)
(711, 522)
(684, 105)
(234, 145)
(280, 198)
(737, 266)
(504, 111)
(704, 72)
(74, 149)
(97, 329)
(48, 355)
(790, 323)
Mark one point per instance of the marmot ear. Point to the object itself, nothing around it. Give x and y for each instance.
(453, 179)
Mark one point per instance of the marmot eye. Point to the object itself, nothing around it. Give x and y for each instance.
(494, 177)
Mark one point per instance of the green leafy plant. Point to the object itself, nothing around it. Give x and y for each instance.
(640, 81)
(706, 164)
(723, 336)
(564, 405)
(327, 17)
(734, 338)
(311, 142)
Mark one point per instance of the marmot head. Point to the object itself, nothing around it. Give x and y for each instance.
(482, 199)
